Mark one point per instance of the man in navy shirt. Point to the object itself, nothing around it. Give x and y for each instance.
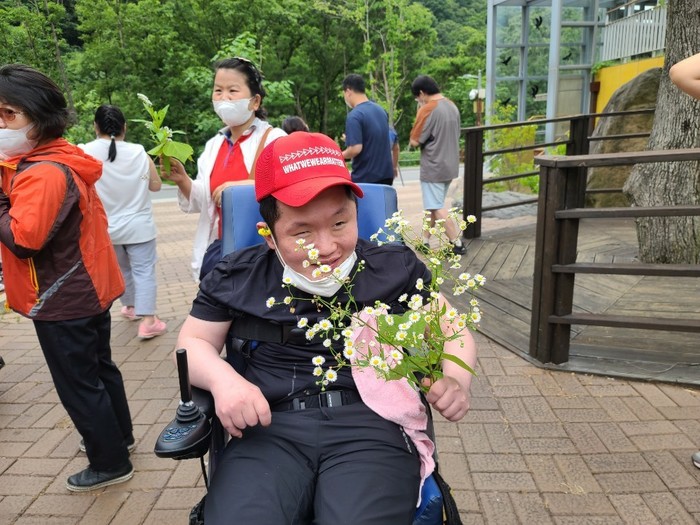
(366, 135)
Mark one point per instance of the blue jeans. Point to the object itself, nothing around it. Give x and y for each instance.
(138, 266)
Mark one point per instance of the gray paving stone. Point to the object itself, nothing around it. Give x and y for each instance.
(673, 474)
(503, 481)
(607, 463)
(579, 504)
(514, 410)
(668, 508)
(584, 438)
(633, 509)
(497, 508)
(631, 484)
(530, 508)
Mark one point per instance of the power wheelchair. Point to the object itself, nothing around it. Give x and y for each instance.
(196, 430)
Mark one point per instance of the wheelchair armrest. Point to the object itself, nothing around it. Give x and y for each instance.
(204, 400)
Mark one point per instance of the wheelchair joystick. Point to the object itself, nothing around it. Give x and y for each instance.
(187, 436)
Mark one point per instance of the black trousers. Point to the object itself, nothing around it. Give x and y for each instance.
(327, 466)
(89, 385)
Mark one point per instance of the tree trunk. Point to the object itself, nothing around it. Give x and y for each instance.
(676, 125)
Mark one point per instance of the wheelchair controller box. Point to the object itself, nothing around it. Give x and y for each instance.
(187, 436)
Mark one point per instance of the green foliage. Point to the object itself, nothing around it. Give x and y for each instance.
(506, 164)
(602, 65)
(102, 51)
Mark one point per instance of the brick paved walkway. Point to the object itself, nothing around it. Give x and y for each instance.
(538, 447)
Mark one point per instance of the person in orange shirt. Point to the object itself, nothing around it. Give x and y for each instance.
(436, 132)
(61, 269)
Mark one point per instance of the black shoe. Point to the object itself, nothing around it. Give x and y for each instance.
(130, 445)
(91, 479)
(459, 249)
(696, 459)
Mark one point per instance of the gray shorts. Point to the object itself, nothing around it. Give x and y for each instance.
(434, 194)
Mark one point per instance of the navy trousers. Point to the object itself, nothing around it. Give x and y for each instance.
(327, 466)
(89, 385)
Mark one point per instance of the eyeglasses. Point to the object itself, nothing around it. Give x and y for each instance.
(9, 115)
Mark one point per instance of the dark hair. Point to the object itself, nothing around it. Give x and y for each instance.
(354, 82)
(425, 84)
(271, 213)
(38, 96)
(110, 121)
(252, 75)
(292, 124)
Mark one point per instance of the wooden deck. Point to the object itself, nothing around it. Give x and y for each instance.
(506, 258)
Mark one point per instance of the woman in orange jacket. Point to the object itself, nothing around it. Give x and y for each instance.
(60, 268)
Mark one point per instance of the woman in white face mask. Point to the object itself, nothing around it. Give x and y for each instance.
(60, 268)
(228, 158)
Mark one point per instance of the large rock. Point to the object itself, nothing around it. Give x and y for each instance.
(638, 93)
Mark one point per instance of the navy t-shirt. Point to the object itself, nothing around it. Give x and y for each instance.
(368, 124)
(243, 281)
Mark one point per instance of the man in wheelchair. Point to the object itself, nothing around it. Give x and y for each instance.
(299, 455)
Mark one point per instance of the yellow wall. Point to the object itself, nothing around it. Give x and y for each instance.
(613, 77)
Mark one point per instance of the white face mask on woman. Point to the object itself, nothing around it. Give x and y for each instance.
(233, 112)
(15, 142)
(323, 287)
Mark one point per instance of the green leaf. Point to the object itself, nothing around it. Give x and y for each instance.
(181, 151)
(457, 360)
(156, 150)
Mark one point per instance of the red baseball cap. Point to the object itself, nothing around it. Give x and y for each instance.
(296, 168)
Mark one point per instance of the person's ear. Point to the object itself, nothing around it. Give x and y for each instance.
(255, 103)
(266, 234)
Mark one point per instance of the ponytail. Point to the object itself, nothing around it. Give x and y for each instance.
(112, 153)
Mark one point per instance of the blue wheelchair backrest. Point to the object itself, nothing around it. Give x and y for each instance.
(240, 214)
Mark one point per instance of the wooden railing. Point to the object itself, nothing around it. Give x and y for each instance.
(577, 141)
(560, 208)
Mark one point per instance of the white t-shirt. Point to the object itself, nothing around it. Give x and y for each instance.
(123, 189)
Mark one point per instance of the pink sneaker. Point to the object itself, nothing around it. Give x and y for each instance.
(151, 331)
(128, 312)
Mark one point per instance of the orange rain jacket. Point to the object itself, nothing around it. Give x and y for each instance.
(57, 258)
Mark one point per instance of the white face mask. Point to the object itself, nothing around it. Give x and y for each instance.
(323, 287)
(233, 112)
(14, 142)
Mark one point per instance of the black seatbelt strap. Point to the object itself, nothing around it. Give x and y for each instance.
(254, 328)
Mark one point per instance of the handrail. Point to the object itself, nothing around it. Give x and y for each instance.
(560, 208)
(577, 143)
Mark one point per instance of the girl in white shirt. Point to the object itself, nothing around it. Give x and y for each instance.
(128, 173)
